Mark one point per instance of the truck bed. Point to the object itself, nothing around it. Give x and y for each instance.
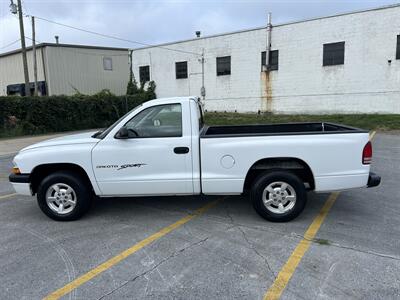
(277, 129)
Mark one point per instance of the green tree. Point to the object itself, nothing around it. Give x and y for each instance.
(132, 88)
(151, 90)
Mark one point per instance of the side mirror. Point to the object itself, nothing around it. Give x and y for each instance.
(123, 133)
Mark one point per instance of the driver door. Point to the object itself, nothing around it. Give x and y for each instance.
(155, 159)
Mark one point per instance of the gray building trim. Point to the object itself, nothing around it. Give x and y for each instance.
(41, 45)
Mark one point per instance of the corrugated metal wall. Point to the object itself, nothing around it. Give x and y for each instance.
(69, 70)
(11, 69)
(78, 69)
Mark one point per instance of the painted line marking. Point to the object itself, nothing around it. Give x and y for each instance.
(371, 135)
(275, 291)
(126, 253)
(7, 196)
(287, 271)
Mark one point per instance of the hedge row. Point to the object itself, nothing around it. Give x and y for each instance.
(36, 115)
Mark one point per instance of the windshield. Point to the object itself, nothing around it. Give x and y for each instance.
(103, 133)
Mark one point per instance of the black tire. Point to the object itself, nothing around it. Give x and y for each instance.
(80, 187)
(263, 181)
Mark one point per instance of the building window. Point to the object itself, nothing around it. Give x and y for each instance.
(144, 74)
(223, 65)
(107, 63)
(181, 70)
(333, 54)
(398, 48)
(273, 59)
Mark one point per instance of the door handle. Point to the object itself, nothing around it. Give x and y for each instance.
(181, 150)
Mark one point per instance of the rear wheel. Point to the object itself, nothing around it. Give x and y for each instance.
(64, 196)
(278, 196)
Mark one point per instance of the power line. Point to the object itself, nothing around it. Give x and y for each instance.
(115, 37)
(10, 44)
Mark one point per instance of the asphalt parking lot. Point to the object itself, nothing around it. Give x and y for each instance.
(224, 252)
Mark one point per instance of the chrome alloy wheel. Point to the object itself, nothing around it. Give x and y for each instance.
(279, 197)
(61, 198)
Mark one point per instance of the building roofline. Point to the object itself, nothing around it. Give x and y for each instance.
(264, 27)
(41, 45)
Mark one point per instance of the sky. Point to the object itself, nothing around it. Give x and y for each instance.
(154, 22)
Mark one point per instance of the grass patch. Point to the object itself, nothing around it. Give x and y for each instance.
(364, 121)
(322, 242)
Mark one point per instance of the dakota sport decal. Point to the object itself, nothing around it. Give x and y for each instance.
(121, 167)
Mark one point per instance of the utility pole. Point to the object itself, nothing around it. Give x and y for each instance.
(34, 57)
(23, 48)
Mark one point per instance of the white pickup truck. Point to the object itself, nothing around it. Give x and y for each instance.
(162, 147)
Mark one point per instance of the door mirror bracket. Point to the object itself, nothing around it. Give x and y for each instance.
(123, 133)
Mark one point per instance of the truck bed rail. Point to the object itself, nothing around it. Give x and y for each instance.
(277, 129)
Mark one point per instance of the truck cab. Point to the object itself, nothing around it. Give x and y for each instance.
(153, 152)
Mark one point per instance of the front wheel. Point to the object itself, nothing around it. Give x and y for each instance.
(278, 196)
(64, 196)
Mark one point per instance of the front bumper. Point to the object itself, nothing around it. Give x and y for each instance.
(373, 180)
(21, 184)
(19, 178)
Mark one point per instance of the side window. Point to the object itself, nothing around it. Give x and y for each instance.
(333, 54)
(273, 59)
(181, 70)
(107, 63)
(200, 116)
(144, 74)
(223, 65)
(157, 121)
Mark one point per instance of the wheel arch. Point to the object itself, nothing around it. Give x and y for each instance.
(43, 170)
(293, 164)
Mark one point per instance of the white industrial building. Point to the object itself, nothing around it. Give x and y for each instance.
(64, 69)
(347, 63)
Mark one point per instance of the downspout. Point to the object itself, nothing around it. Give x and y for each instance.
(203, 89)
(268, 49)
(151, 67)
(44, 72)
(268, 87)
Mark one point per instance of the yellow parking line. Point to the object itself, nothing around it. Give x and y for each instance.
(123, 255)
(275, 291)
(7, 196)
(371, 135)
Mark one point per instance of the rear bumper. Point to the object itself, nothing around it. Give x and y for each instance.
(373, 180)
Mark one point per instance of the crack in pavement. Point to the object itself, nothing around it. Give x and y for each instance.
(365, 251)
(337, 245)
(250, 244)
(143, 274)
(294, 235)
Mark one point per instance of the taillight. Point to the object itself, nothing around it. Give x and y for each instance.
(367, 154)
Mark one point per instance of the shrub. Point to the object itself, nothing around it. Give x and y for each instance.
(36, 115)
